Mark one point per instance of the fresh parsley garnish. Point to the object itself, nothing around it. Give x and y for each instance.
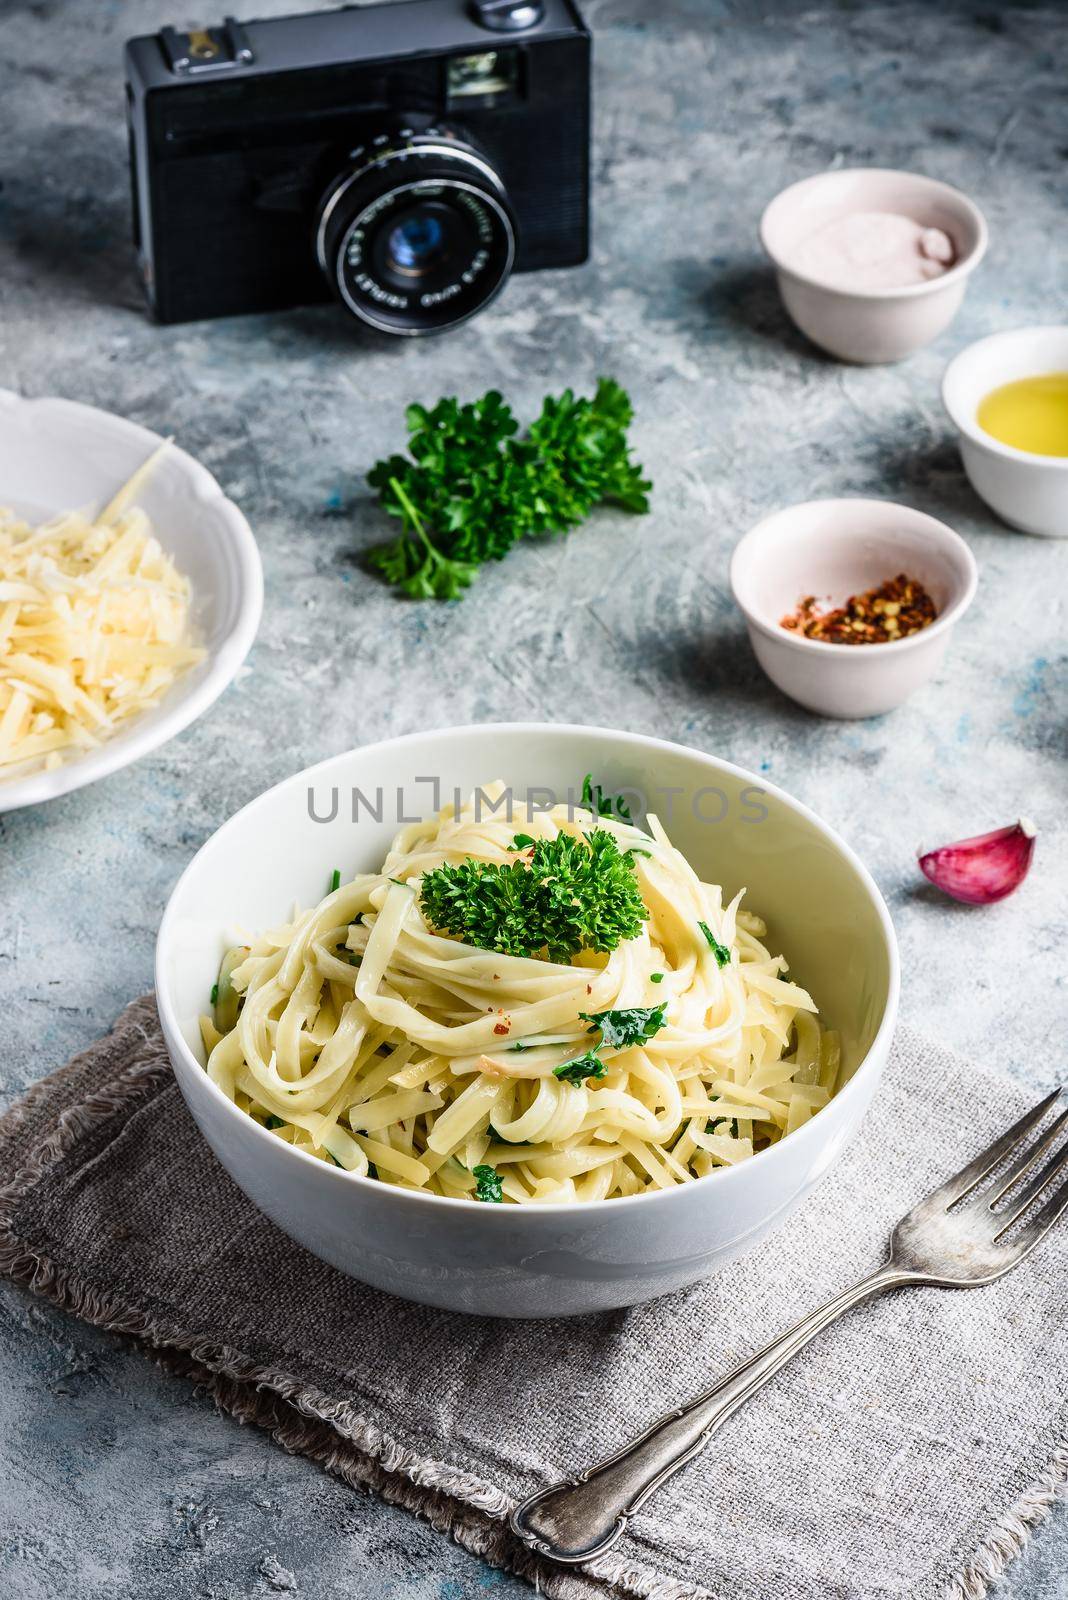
(274, 1122)
(214, 993)
(720, 951)
(656, 977)
(335, 879)
(623, 1027)
(588, 1066)
(470, 488)
(601, 804)
(522, 841)
(569, 895)
(488, 1185)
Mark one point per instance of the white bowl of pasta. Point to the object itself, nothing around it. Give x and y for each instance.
(130, 594)
(527, 1055)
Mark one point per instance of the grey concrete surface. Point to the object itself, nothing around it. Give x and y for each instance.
(114, 1479)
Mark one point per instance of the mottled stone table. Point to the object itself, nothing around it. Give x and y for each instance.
(115, 1480)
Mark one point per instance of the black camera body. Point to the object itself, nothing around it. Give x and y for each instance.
(404, 158)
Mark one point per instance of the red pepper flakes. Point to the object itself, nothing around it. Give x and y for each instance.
(502, 1027)
(895, 609)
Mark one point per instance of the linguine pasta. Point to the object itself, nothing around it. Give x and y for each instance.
(364, 1037)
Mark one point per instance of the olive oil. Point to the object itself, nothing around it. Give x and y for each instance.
(1030, 414)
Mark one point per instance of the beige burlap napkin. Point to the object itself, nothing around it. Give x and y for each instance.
(905, 1453)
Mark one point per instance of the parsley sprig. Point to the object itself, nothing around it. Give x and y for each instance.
(595, 799)
(720, 951)
(470, 488)
(626, 1026)
(582, 1067)
(619, 1029)
(563, 896)
(488, 1185)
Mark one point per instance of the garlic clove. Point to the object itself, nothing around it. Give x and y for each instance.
(984, 869)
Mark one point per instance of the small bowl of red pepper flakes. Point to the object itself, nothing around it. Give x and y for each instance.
(814, 581)
(896, 609)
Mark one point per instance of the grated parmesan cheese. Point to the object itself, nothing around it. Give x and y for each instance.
(94, 629)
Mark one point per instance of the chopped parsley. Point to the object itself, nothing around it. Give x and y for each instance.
(622, 1028)
(720, 951)
(656, 977)
(601, 804)
(214, 993)
(570, 895)
(588, 1066)
(335, 879)
(488, 1185)
(274, 1122)
(522, 841)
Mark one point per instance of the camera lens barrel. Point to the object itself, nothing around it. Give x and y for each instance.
(416, 234)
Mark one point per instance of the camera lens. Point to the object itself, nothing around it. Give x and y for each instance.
(417, 244)
(417, 234)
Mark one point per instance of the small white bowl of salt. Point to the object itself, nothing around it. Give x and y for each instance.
(872, 264)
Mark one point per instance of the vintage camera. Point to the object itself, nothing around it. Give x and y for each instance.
(405, 158)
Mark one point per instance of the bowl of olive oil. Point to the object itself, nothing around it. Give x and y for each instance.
(1007, 396)
(1029, 414)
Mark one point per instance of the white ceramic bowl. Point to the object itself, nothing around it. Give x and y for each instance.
(821, 906)
(833, 549)
(56, 455)
(1027, 491)
(872, 325)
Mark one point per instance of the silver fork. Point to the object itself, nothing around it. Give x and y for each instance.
(954, 1239)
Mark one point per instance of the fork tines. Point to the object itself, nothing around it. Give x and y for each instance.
(970, 1183)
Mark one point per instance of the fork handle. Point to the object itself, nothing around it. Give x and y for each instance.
(582, 1517)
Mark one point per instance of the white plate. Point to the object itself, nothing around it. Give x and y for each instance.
(57, 455)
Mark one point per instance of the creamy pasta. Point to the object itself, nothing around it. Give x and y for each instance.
(364, 1036)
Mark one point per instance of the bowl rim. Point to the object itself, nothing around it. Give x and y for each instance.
(141, 738)
(950, 540)
(967, 425)
(909, 291)
(880, 1044)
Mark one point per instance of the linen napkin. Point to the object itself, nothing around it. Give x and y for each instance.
(905, 1453)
